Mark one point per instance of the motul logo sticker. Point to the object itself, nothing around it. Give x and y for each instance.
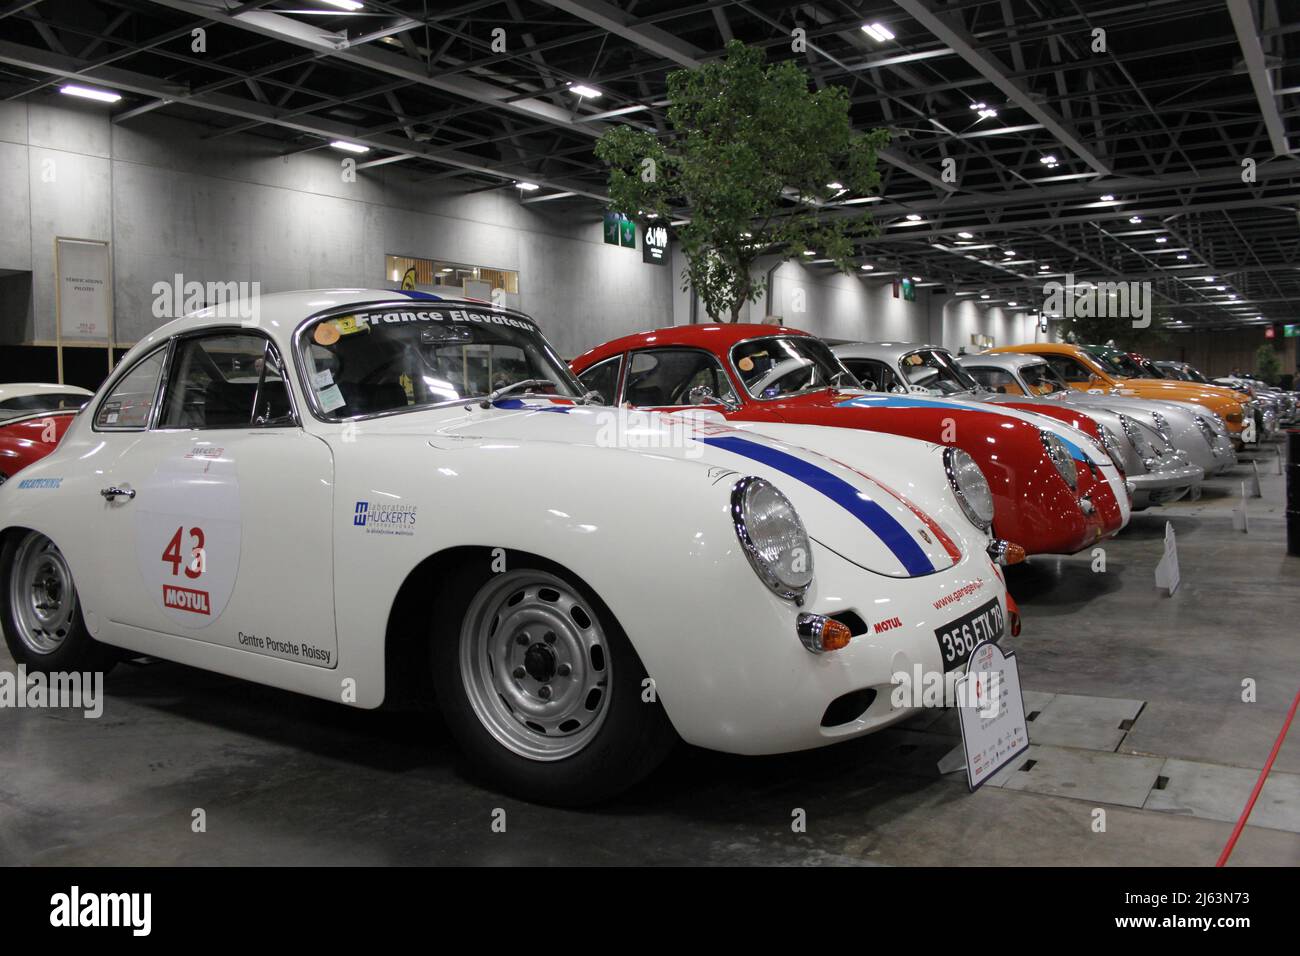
(186, 599)
(888, 625)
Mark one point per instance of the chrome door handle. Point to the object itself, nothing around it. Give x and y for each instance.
(113, 492)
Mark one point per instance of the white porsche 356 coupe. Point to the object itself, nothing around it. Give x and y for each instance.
(370, 496)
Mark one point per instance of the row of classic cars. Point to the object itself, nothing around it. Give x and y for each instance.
(730, 535)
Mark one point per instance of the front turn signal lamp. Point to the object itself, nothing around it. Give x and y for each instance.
(1004, 552)
(821, 634)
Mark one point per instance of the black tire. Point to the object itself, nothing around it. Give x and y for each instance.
(76, 649)
(632, 739)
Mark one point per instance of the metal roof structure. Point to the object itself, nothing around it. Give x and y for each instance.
(1162, 148)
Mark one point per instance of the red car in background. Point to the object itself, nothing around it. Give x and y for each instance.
(1055, 491)
(25, 440)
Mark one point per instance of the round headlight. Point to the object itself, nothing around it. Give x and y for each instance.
(772, 537)
(1060, 456)
(969, 486)
(1138, 440)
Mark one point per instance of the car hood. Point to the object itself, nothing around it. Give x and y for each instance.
(1080, 445)
(843, 509)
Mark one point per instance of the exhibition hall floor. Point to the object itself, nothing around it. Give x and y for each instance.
(1136, 697)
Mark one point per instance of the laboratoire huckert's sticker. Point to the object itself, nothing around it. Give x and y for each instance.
(187, 535)
(385, 517)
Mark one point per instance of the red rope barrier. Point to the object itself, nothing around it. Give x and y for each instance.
(1259, 784)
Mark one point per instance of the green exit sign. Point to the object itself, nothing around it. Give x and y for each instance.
(620, 230)
(1291, 331)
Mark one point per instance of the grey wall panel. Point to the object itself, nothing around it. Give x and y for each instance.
(234, 209)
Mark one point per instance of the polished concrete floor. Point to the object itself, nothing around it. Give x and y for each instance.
(1138, 711)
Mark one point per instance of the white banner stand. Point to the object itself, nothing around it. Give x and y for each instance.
(1240, 522)
(1167, 573)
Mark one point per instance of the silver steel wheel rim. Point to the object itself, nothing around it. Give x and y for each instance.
(42, 595)
(535, 665)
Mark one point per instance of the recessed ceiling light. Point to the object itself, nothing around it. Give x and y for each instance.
(1135, 219)
(965, 235)
(916, 278)
(988, 113)
(586, 92)
(526, 187)
(867, 266)
(834, 185)
(809, 252)
(913, 217)
(1044, 267)
(344, 4)
(349, 147)
(984, 296)
(1048, 160)
(1008, 252)
(1013, 303)
(1162, 238)
(90, 93)
(1108, 198)
(878, 32)
(1182, 255)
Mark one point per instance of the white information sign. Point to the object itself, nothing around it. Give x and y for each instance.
(85, 295)
(991, 713)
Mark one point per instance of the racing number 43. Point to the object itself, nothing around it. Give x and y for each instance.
(198, 557)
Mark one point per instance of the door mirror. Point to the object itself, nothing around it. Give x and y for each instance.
(702, 395)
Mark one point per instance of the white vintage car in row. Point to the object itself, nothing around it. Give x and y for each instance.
(370, 496)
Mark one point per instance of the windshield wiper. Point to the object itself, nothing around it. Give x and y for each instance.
(504, 390)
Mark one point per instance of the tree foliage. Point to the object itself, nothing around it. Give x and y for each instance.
(750, 155)
(1267, 364)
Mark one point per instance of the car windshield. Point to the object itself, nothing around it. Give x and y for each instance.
(786, 365)
(1042, 379)
(391, 359)
(1108, 365)
(936, 372)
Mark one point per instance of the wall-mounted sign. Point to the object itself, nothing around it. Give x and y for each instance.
(620, 230)
(1269, 333)
(909, 290)
(1291, 331)
(980, 341)
(654, 244)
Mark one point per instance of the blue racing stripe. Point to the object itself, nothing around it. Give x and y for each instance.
(881, 523)
(417, 294)
(904, 401)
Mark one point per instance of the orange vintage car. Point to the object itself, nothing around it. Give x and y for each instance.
(1099, 369)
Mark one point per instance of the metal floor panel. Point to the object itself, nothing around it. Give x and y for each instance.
(1213, 792)
(1083, 775)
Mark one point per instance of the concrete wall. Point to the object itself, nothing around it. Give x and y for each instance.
(863, 308)
(234, 209)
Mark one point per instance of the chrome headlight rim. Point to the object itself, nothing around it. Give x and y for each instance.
(740, 492)
(1209, 434)
(1060, 457)
(955, 461)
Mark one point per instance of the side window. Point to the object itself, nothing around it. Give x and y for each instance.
(874, 375)
(128, 405)
(665, 377)
(602, 378)
(997, 380)
(227, 380)
(1069, 369)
